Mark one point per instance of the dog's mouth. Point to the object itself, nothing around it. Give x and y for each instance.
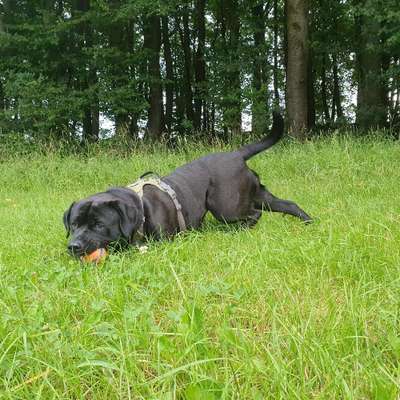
(87, 249)
(79, 251)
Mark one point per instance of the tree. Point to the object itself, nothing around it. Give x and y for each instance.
(259, 104)
(152, 44)
(227, 68)
(118, 68)
(87, 73)
(199, 64)
(297, 67)
(372, 93)
(169, 84)
(276, 53)
(195, 66)
(187, 87)
(2, 94)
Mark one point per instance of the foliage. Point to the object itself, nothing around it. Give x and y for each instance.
(64, 64)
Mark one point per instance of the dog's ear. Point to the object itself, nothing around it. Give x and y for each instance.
(66, 218)
(130, 217)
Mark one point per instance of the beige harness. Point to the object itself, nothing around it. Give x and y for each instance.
(154, 180)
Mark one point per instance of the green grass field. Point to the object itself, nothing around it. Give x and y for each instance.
(281, 311)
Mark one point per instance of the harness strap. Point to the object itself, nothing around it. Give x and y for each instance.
(154, 180)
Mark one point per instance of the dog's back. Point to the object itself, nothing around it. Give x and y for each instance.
(221, 182)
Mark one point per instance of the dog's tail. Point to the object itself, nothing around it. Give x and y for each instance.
(274, 136)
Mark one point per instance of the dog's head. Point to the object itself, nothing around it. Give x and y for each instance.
(102, 219)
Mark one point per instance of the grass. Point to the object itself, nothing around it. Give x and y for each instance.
(281, 311)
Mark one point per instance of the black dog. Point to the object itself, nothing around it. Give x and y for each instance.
(220, 183)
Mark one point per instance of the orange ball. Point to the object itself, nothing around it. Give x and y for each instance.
(96, 257)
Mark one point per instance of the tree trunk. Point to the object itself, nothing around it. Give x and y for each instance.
(200, 111)
(2, 12)
(133, 115)
(95, 106)
(233, 105)
(297, 97)
(88, 78)
(2, 97)
(324, 97)
(187, 74)
(119, 79)
(2, 94)
(310, 96)
(371, 111)
(94, 98)
(259, 111)
(385, 84)
(285, 49)
(152, 43)
(276, 51)
(180, 107)
(212, 119)
(394, 94)
(336, 99)
(169, 86)
(310, 85)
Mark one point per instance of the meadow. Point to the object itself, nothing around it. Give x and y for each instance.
(280, 311)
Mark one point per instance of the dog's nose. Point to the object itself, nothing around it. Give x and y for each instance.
(75, 247)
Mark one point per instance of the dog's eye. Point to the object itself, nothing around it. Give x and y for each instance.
(99, 225)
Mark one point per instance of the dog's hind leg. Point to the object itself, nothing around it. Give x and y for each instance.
(268, 202)
(247, 220)
(251, 219)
